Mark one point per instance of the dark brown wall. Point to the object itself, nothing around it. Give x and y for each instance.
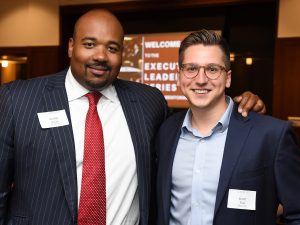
(40, 60)
(287, 78)
(286, 82)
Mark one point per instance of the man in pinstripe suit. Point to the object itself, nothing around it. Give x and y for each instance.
(42, 133)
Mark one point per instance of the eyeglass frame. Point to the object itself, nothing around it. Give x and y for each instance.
(204, 67)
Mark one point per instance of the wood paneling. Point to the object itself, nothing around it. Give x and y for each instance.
(286, 83)
(297, 131)
(41, 60)
(286, 91)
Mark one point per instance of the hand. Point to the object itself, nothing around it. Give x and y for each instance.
(249, 101)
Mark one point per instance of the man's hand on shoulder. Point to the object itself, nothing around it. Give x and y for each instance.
(249, 101)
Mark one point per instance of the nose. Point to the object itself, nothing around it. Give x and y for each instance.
(201, 77)
(100, 53)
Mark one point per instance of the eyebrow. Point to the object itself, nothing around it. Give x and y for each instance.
(88, 38)
(95, 39)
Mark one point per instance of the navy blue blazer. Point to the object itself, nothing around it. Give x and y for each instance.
(41, 162)
(260, 154)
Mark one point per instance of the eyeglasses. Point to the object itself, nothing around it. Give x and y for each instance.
(212, 71)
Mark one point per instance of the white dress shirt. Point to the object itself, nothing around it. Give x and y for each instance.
(120, 165)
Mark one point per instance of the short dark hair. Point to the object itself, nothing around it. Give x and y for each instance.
(205, 37)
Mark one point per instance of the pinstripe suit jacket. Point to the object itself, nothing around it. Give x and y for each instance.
(38, 182)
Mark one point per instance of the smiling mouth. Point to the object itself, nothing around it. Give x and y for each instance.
(98, 70)
(201, 91)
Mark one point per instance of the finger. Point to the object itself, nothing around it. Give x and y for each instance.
(244, 104)
(260, 107)
(248, 104)
(243, 97)
(238, 99)
(244, 114)
(264, 110)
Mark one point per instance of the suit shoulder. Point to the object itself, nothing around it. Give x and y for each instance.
(177, 116)
(267, 119)
(151, 101)
(20, 90)
(145, 93)
(259, 120)
(268, 125)
(34, 82)
(174, 120)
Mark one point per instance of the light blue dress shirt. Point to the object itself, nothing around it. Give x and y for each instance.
(196, 171)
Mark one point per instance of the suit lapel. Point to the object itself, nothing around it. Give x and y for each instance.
(238, 131)
(138, 130)
(132, 110)
(55, 98)
(169, 148)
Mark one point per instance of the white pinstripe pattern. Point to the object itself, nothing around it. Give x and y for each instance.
(41, 162)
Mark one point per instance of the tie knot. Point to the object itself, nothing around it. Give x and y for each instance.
(93, 97)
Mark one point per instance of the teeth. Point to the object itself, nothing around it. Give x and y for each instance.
(201, 91)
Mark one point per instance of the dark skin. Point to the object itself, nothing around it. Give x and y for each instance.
(249, 101)
(96, 51)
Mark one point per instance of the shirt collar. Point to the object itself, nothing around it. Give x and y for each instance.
(75, 90)
(224, 121)
(221, 125)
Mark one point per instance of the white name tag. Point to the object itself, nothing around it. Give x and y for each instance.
(53, 119)
(241, 199)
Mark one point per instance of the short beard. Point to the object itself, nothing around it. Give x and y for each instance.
(96, 86)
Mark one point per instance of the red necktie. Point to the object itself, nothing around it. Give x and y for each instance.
(92, 205)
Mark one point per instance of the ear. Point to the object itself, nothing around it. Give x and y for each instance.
(228, 79)
(70, 48)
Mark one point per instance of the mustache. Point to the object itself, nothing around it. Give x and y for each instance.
(101, 65)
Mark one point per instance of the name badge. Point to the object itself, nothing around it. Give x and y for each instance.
(241, 199)
(53, 119)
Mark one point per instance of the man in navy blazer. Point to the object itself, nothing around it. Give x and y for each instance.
(216, 167)
(42, 127)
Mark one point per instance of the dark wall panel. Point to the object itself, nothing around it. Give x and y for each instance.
(286, 96)
(286, 83)
(41, 60)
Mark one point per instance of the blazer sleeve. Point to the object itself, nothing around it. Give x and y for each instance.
(6, 150)
(287, 173)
